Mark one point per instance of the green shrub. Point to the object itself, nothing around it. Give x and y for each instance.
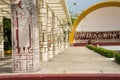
(117, 57)
(91, 47)
(105, 52)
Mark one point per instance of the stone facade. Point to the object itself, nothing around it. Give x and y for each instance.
(1, 38)
(101, 36)
(50, 41)
(25, 36)
(56, 36)
(43, 30)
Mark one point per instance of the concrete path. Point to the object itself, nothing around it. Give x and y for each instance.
(73, 60)
(80, 60)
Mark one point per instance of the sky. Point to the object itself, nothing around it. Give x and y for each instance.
(80, 4)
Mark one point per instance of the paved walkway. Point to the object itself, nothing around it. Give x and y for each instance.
(80, 60)
(72, 60)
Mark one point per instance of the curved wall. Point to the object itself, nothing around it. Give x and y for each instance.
(90, 10)
(103, 19)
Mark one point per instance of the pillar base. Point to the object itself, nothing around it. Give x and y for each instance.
(26, 71)
(1, 54)
(62, 48)
(50, 54)
(66, 46)
(44, 57)
(56, 52)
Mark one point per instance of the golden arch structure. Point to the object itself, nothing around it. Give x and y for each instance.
(89, 10)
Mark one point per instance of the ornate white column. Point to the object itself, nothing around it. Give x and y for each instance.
(59, 43)
(62, 41)
(53, 32)
(25, 42)
(43, 30)
(59, 37)
(1, 39)
(67, 41)
(50, 41)
(56, 36)
(66, 36)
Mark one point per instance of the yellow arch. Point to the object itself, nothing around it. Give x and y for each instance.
(87, 11)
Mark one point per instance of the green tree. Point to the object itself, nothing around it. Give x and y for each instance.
(7, 33)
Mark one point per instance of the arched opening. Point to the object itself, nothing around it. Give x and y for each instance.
(7, 37)
(88, 11)
(5, 30)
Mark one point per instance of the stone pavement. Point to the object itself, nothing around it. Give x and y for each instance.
(80, 60)
(72, 60)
